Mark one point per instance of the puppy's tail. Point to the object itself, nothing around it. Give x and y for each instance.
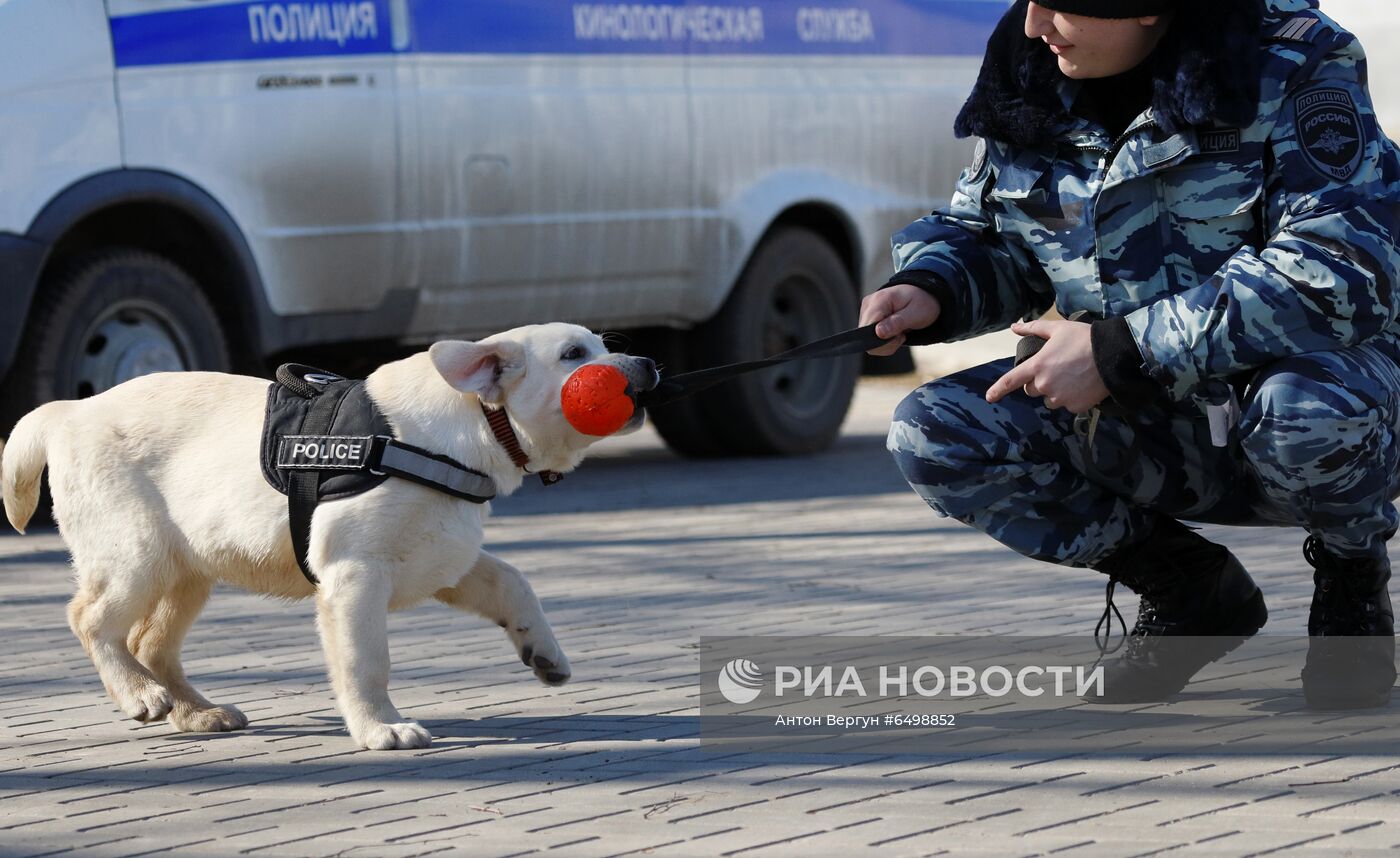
(22, 462)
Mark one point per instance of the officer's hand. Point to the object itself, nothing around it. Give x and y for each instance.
(1063, 371)
(899, 308)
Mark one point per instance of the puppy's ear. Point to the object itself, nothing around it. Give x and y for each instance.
(478, 368)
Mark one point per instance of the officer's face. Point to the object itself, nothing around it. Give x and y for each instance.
(1094, 47)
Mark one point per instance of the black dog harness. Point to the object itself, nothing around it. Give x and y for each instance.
(324, 439)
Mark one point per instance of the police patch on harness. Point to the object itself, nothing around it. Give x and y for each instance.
(334, 452)
(1329, 132)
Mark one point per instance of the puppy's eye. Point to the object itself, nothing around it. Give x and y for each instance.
(573, 353)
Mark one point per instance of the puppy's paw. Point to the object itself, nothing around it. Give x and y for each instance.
(219, 719)
(550, 669)
(394, 737)
(147, 704)
(540, 652)
(551, 672)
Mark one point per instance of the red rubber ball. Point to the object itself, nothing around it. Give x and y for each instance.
(595, 399)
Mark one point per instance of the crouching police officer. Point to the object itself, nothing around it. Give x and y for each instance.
(1202, 187)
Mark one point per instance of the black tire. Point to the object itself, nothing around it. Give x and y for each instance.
(795, 289)
(101, 319)
(120, 314)
(106, 317)
(682, 424)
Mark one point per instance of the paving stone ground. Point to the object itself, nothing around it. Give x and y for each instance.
(636, 557)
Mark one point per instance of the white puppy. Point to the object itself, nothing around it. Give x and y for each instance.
(158, 492)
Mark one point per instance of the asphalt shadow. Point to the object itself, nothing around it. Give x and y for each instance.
(653, 478)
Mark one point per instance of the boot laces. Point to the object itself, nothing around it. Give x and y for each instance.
(1103, 629)
(1148, 627)
(1147, 630)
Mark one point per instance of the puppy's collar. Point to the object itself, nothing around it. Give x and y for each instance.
(505, 436)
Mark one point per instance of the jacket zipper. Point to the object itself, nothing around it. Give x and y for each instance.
(1112, 152)
(1104, 164)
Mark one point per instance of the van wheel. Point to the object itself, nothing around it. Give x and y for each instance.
(111, 316)
(795, 289)
(103, 319)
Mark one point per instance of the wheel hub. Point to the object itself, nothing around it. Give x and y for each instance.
(130, 340)
(795, 318)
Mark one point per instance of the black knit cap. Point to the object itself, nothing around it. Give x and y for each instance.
(1109, 8)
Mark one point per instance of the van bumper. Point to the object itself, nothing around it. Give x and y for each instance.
(20, 261)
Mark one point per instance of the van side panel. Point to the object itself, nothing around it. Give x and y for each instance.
(829, 108)
(774, 133)
(617, 163)
(554, 185)
(287, 113)
(479, 165)
(58, 113)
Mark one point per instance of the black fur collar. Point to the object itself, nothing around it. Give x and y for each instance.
(1205, 72)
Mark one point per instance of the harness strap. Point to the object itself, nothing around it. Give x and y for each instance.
(384, 456)
(428, 469)
(303, 486)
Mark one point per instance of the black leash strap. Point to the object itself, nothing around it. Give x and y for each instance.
(850, 342)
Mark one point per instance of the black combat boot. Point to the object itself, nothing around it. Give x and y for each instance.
(1351, 631)
(1197, 604)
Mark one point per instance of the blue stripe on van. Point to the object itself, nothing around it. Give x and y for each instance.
(783, 27)
(252, 31)
(261, 29)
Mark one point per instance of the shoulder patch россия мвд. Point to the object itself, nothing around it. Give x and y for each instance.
(1329, 132)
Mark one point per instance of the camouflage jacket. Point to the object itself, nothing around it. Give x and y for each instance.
(1223, 248)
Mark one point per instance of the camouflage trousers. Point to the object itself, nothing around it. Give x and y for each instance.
(1317, 446)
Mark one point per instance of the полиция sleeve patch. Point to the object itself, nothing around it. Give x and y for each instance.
(1329, 132)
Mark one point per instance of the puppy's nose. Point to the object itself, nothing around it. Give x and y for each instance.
(647, 366)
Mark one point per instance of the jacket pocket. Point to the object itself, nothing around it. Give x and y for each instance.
(1213, 205)
(1020, 185)
(1027, 202)
(1213, 212)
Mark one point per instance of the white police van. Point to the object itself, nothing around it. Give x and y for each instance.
(216, 184)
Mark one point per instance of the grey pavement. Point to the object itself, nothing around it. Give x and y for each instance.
(636, 557)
